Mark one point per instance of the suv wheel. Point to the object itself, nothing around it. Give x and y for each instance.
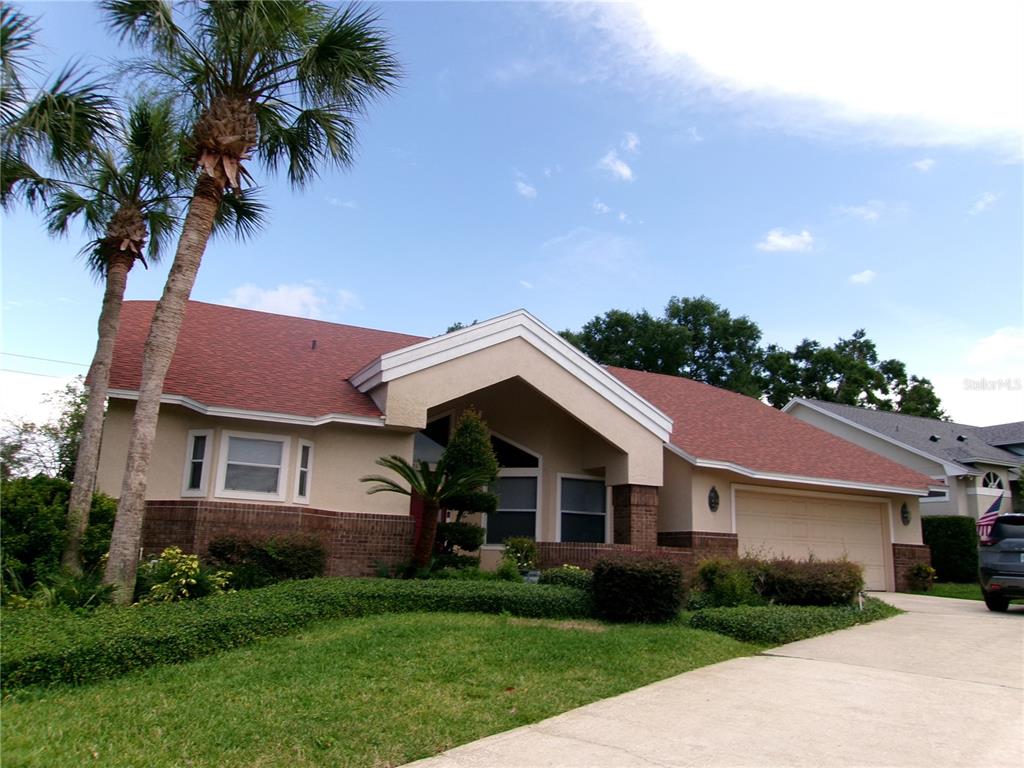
(996, 602)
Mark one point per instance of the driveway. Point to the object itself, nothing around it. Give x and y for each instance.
(942, 685)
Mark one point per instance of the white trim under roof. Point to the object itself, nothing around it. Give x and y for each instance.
(514, 325)
(949, 467)
(758, 474)
(241, 413)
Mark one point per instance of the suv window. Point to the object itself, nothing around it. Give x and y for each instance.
(1008, 528)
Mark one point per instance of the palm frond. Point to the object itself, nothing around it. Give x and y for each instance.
(17, 38)
(143, 22)
(241, 214)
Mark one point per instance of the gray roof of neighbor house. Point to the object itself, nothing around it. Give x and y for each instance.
(1004, 434)
(959, 443)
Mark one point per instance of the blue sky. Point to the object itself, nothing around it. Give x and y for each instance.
(811, 167)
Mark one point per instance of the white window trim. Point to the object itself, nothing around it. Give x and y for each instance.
(298, 471)
(537, 472)
(282, 477)
(558, 518)
(187, 474)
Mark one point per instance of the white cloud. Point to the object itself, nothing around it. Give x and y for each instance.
(1004, 347)
(295, 299)
(616, 166)
(525, 190)
(526, 284)
(778, 240)
(624, 217)
(337, 202)
(863, 278)
(601, 208)
(631, 142)
(923, 165)
(800, 65)
(694, 135)
(983, 203)
(870, 211)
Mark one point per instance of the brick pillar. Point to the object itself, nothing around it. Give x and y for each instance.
(635, 515)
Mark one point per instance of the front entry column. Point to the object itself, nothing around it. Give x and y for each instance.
(635, 514)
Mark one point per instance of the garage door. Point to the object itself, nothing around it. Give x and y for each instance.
(797, 526)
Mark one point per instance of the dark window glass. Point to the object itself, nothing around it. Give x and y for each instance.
(302, 483)
(304, 461)
(438, 430)
(198, 447)
(587, 528)
(244, 477)
(583, 495)
(517, 509)
(510, 456)
(1007, 530)
(195, 476)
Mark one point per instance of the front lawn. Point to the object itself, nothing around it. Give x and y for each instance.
(971, 591)
(373, 691)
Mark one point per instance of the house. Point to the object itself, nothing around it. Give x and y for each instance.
(976, 468)
(267, 423)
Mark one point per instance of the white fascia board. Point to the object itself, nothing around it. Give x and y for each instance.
(241, 413)
(757, 474)
(949, 467)
(994, 462)
(515, 325)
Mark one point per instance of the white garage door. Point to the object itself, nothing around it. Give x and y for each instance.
(797, 526)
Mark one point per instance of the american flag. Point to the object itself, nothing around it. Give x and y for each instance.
(986, 521)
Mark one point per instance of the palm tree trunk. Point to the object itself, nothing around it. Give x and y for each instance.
(424, 549)
(163, 338)
(88, 458)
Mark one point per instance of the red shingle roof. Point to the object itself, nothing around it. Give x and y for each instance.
(239, 358)
(257, 361)
(717, 425)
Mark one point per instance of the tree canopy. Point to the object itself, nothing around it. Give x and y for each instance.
(699, 339)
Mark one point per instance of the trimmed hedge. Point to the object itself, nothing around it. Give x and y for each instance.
(954, 543)
(569, 576)
(778, 624)
(784, 581)
(259, 562)
(637, 590)
(44, 647)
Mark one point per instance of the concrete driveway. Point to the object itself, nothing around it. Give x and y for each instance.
(942, 685)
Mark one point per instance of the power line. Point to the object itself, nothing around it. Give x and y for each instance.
(33, 373)
(43, 359)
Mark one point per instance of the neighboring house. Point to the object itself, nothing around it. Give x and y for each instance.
(975, 468)
(268, 422)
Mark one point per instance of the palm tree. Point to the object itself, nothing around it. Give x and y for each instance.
(436, 487)
(129, 197)
(279, 80)
(56, 124)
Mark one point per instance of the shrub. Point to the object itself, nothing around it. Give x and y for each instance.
(812, 582)
(777, 624)
(954, 544)
(43, 647)
(724, 582)
(83, 592)
(569, 576)
(921, 577)
(452, 540)
(523, 551)
(33, 515)
(749, 581)
(177, 576)
(259, 562)
(508, 570)
(637, 590)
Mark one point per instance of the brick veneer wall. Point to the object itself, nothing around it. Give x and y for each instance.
(356, 543)
(635, 515)
(905, 557)
(703, 544)
(554, 553)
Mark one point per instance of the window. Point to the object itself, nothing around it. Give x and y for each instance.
(517, 509)
(304, 472)
(582, 507)
(429, 443)
(253, 466)
(518, 489)
(197, 459)
(992, 480)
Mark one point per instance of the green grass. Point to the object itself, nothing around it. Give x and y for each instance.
(970, 591)
(374, 691)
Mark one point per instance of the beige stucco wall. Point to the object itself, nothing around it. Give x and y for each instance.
(519, 413)
(905, 534)
(409, 398)
(342, 453)
(675, 504)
